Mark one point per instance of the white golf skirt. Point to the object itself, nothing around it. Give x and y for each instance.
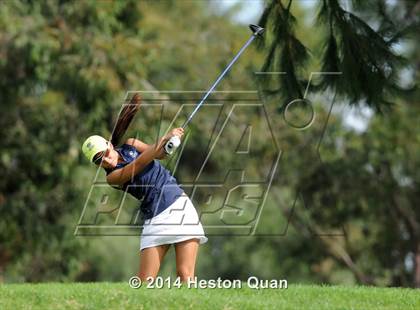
(178, 222)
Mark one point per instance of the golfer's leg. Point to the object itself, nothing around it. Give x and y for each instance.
(150, 261)
(186, 255)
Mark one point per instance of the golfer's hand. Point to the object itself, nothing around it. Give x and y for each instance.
(160, 152)
(176, 132)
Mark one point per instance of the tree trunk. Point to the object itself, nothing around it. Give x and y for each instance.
(417, 267)
(332, 247)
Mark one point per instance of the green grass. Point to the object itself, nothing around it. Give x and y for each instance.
(121, 296)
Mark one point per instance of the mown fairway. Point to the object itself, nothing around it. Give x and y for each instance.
(121, 296)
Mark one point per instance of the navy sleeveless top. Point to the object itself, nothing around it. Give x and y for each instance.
(154, 184)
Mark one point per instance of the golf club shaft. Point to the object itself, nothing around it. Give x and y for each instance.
(218, 80)
(175, 141)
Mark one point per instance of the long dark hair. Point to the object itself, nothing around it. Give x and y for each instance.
(124, 118)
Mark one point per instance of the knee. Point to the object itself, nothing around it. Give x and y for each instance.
(185, 272)
(146, 277)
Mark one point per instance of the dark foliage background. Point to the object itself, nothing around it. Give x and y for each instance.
(343, 204)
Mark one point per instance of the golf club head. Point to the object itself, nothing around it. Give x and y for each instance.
(256, 30)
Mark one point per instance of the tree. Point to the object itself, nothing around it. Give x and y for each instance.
(65, 68)
(363, 53)
(345, 192)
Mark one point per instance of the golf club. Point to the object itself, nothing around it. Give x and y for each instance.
(175, 141)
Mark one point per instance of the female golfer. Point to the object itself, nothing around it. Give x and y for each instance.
(170, 217)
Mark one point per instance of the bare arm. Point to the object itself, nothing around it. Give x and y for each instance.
(141, 147)
(148, 154)
(123, 175)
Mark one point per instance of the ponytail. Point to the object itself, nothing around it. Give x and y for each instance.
(124, 119)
